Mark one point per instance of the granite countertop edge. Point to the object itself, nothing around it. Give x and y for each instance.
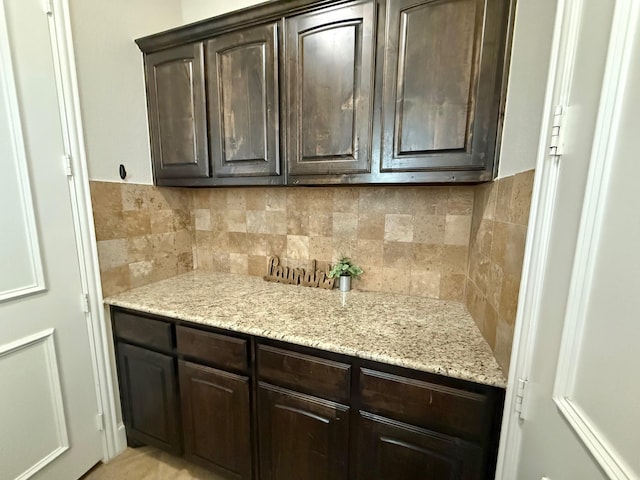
(485, 369)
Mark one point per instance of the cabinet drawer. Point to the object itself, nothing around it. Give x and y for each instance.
(142, 330)
(304, 373)
(425, 404)
(220, 350)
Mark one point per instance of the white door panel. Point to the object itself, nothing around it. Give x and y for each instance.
(48, 394)
(581, 419)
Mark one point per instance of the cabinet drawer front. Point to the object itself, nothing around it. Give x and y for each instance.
(142, 330)
(316, 376)
(425, 404)
(219, 350)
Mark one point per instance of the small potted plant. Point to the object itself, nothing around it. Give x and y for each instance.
(345, 269)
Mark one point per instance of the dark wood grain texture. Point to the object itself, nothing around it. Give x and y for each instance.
(329, 68)
(144, 331)
(243, 98)
(301, 437)
(390, 450)
(312, 375)
(216, 419)
(222, 351)
(149, 394)
(177, 112)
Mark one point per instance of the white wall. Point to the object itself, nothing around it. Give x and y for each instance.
(527, 85)
(194, 10)
(111, 81)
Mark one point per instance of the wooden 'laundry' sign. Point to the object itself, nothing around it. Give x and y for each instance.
(298, 276)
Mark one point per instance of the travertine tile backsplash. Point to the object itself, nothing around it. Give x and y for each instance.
(462, 243)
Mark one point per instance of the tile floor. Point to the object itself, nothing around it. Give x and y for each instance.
(148, 463)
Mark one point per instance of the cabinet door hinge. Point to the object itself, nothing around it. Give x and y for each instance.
(48, 7)
(100, 422)
(555, 144)
(521, 395)
(67, 165)
(85, 303)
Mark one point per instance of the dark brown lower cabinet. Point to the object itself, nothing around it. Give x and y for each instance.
(390, 450)
(301, 437)
(149, 393)
(216, 419)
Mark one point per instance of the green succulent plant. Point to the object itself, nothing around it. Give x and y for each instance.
(345, 267)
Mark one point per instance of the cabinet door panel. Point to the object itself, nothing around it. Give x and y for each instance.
(329, 68)
(177, 112)
(149, 397)
(441, 92)
(242, 73)
(389, 450)
(215, 407)
(301, 436)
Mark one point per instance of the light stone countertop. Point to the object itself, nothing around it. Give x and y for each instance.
(414, 332)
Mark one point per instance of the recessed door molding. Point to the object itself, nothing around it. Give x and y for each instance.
(625, 23)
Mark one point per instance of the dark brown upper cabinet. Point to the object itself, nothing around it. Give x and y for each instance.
(329, 65)
(177, 113)
(441, 88)
(242, 77)
(305, 92)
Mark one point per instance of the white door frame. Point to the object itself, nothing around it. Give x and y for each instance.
(559, 82)
(114, 440)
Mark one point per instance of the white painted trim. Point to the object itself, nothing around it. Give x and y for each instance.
(46, 337)
(11, 98)
(543, 200)
(68, 93)
(625, 22)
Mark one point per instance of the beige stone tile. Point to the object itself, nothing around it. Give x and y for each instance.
(297, 223)
(431, 201)
(298, 247)
(106, 197)
(427, 257)
(185, 262)
(165, 266)
(343, 247)
(276, 199)
(372, 280)
(479, 271)
(397, 280)
(276, 245)
(200, 198)
(509, 298)
(255, 244)
(484, 237)
(136, 223)
(425, 283)
(203, 219)
(321, 248)
(345, 225)
(345, 199)
(239, 263)
(163, 221)
(494, 285)
(387, 200)
(217, 199)
(457, 229)
(398, 227)
(203, 258)
(220, 262)
(112, 253)
(135, 197)
(320, 224)
(429, 229)
(521, 197)
(238, 242)
(257, 265)
(503, 200)
(109, 225)
(398, 255)
(370, 226)
(499, 243)
(504, 341)
(218, 221)
(257, 221)
(236, 199)
(256, 198)
(220, 241)
(369, 252)
(141, 273)
(476, 304)
(452, 286)
(236, 220)
(460, 201)
(455, 258)
(115, 280)
(320, 199)
(490, 326)
(277, 222)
